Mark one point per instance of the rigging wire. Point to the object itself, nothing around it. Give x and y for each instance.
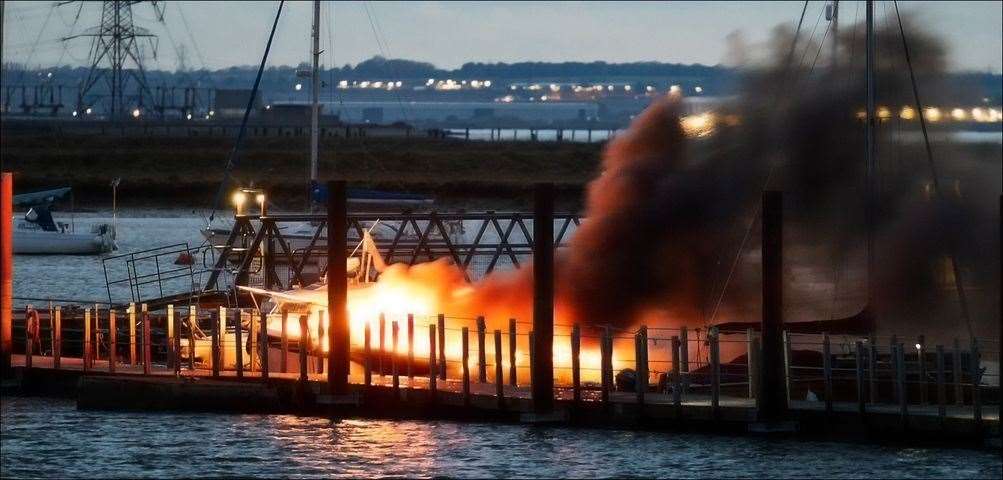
(766, 182)
(962, 298)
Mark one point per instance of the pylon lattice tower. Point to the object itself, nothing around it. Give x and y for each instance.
(115, 55)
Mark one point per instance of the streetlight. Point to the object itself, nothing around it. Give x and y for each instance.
(136, 113)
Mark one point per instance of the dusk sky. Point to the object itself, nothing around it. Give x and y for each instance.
(448, 34)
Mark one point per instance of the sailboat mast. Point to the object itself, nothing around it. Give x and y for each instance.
(315, 94)
(869, 158)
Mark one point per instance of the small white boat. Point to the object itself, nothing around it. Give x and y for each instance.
(38, 234)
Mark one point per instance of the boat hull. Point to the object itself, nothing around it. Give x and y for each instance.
(54, 243)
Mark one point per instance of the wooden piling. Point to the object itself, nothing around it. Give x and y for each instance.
(827, 371)
(304, 348)
(751, 350)
(112, 341)
(6, 270)
(482, 358)
(513, 368)
(576, 369)
(132, 334)
(465, 346)
(684, 358)
(941, 391)
(858, 358)
(543, 299)
(216, 357)
(252, 339)
(715, 374)
(606, 363)
(677, 384)
(788, 370)
(57, 348)
(96, 344)
(893, 343)
(170, 336)
(367, 367)
(147, 340)
(641, 363)
(499, 380)
(900, 376)
(338, 360)
(29, 345)
(383, 343)
(394, 329)
(872, 368)
(433, 371)
(263, 343)
(441, 327)
(921, 359)
(284, 343)
(959, 393)
(175, 345)
(86, 361)
(975, 373)
(410, 351)
(192, 326)
(238, 348)
(322, 341)
(774, 390)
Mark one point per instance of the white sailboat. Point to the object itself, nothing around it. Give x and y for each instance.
(36, 233)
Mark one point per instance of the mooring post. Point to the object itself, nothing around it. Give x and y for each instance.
(367, 362)
(959, 393)
(304, 348)
(433, 372)
(28, 344)
(383, 343)
(576, 368)
(499, 380)
(513, 368)
(606, 363)
(921, 359)
(858, 358)
(465, 346)
(872, 368)
(899, 354)
(263, 343)
(57, 344)
(6, 270)
(543, 299)
(941, 392)
(238, 349)
(322, 341)
(774, 390)
(252, 339)
(214, 319)
(752, 360)
(393, 358)
(112, 341)
(170, 335)
(441, 327)
(788, 368)
(96, 344)
(132, 334)
(192, 325)
(147, 337)
(641, 363)
(284, 343)
(86, 360)
(677, 384)
(175, 344)
(410, 351)
(684, 358)
(975, 373)
(482, 358)
(337, 288)
(827, 372)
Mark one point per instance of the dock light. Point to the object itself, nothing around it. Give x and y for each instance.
(189, 116)
(298, 87)
(136, 113)
(932, 114)
(626, 87)
(212, 112)
(239, 198)
(907, 113)
(74, 113)
(919, 347)
(959, 114)
(487, 83)
(268, 107)
(698, 89)
(260, 198)
(88, 111)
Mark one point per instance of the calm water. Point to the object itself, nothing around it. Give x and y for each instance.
(50, 438)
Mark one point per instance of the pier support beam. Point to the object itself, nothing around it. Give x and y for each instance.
(771, 402)
(337, 288)
(6, 269)
(543, 299)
